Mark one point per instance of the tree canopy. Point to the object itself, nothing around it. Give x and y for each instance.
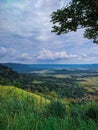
(77, 14)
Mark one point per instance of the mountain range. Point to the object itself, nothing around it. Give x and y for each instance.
(27, 68)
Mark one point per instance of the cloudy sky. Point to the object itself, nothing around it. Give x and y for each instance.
(25, 35)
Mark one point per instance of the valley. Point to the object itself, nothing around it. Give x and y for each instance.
(65, 81)
(49, 98)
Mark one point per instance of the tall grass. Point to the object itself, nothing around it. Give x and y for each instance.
(16, 114)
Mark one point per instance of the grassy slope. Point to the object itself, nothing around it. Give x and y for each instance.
(12, 117)
(10, 91)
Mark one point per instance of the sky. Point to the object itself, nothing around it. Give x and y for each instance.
(26, 37)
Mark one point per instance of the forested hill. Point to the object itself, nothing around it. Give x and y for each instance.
(18, 67)
(28, 68)
(8, 76)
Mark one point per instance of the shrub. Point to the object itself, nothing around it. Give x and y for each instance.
(56, 109)
(91, 112)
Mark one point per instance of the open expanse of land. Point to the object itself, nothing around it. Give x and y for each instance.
(64, 81)
(49, 98)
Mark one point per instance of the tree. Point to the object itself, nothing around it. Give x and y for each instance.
(77, 14)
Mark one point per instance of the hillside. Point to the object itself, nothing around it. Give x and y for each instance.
(50, 101)
(21, 110)
(9, 77)
(11, 91)
(20, 68)
(8, 72)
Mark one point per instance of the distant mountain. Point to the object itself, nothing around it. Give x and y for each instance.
(27, 68)
(5, 71)
(9, 76)
(20, 68)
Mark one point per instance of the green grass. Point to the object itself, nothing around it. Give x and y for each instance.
(20, 112)
(90, 81)
(10, 91)
(36, 82)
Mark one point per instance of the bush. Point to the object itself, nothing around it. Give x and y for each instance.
(56, 109)
(91, 112)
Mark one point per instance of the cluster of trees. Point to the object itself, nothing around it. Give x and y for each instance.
(9, 77)
(47, 85)
(55, 87)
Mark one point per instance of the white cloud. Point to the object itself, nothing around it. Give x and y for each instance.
(12, 51)
(49, 55)
(25, 56)
(3, 52)
(25, 29)
(45, 55)
(61, 55)
(73, 56)
(84, 55)
(23, 17)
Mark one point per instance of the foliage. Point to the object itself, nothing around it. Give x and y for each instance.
(91, 112)
(77, 14)
(53, 94)
(16, 114)
(10, 77)
(21, 110)
(56, 109)
(27, 116)
(51, 86)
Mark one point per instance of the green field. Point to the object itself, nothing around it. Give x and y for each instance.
(91, 85)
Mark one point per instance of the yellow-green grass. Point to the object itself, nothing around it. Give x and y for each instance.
(91, 85)
(36, 82)
(61, 76)
(11, 91)
(92, 82)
